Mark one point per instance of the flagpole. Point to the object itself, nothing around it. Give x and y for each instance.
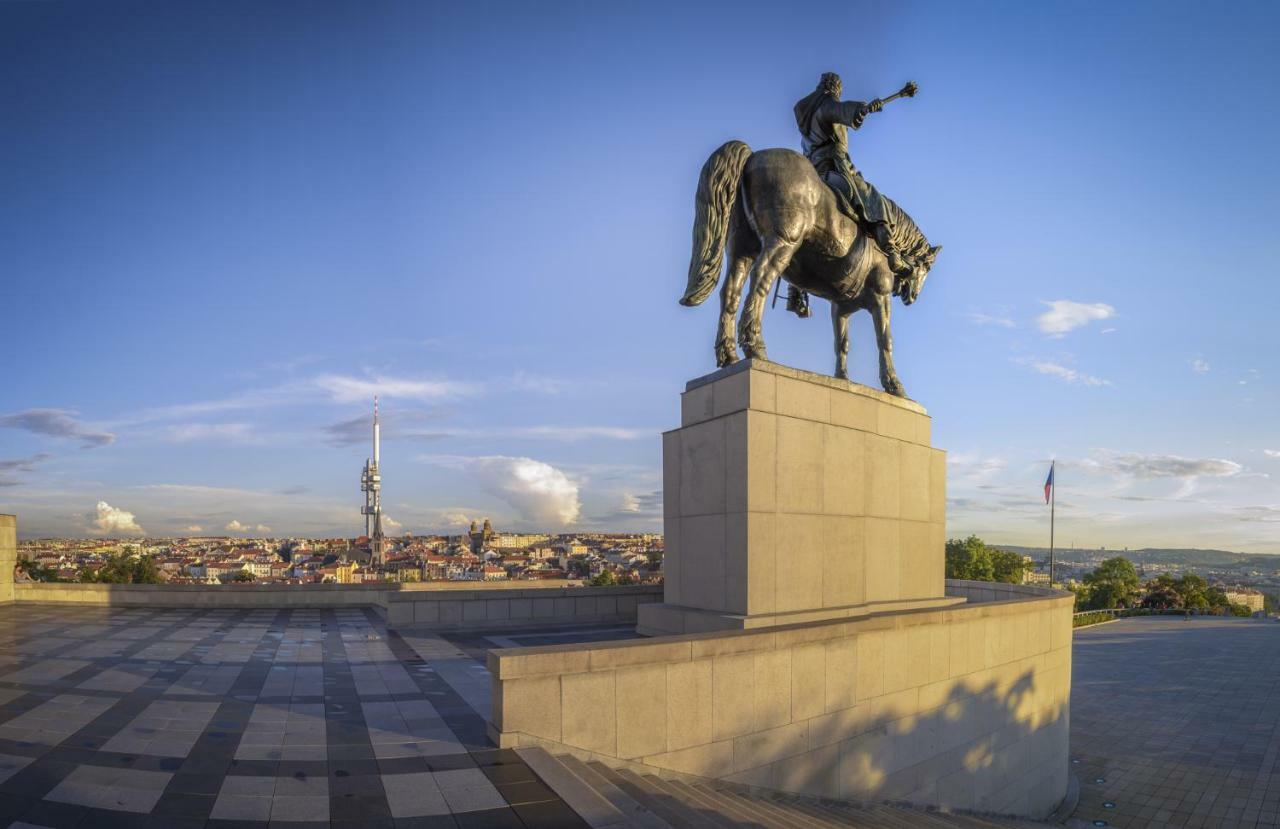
(1053, 505)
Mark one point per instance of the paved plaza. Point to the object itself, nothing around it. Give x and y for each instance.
(1177, 723)
(250, 718)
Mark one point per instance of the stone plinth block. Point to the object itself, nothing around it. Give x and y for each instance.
(793, 497)
(8, 555)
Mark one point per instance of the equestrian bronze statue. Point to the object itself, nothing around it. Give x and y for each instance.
(812, 220)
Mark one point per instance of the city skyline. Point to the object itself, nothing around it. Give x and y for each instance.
(238, 227)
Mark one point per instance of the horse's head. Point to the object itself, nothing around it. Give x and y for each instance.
(909, 286)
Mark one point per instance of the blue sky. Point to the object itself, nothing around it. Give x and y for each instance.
(226, 225)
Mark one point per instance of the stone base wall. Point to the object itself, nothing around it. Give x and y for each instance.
(790, 497)
(446, 606)
(518, 608)
(962, 708)
(8, 555)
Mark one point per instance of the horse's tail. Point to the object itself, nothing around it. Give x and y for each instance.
(717, 190)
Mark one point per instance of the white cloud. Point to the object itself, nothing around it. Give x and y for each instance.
(1138, 465)
(1200, 366)
(362, 389)
(391, 523)
(111, 521)
(537, 383)
(1271, 453)
(263, 529)
(1065, 373)
(542, 494)
(59, 423)
(980, 318)
(454, 519)
(235, 526)
(190, 432)
(1064, 315)
(193, 528)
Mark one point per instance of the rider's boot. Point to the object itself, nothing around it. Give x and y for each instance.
(798, 302)
(896, 263)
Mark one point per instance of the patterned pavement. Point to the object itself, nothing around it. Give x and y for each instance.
(1176, 723)
(249, 718)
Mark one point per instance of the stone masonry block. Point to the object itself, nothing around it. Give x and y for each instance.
(733, 695)
(642, 710)
(808, 681)
(844, 484)
(882, 472)
(702, 469)
(801, 399)
(588, 711)
(800, 465)
(772, 688)
(689, 707)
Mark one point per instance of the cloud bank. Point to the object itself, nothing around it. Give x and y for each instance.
(109, 520)
(542, 494)
(58, 423)
(1136, 465)
(1065, 373)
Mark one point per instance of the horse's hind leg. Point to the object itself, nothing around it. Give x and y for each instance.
(840, 324)
(769, 265)
(730, 299)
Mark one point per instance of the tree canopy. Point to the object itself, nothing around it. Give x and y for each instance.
(123, 569)
(1114, 583)
(971, 558)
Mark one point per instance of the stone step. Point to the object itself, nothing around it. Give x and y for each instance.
(637, 814)
(694, 803)
(590, 804)
(653, 798)
(739, 813)
(617, 798)
(789, 818)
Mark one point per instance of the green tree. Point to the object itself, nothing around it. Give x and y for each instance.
(1217, 600)
(1162, 593)
(1193, 591)
(244, 575)
(1084, 599)
(37, 572)
(123, 569)
(1113, 584)
(969, 558)
(1008, 567)
(605, 578)
(1241, 610)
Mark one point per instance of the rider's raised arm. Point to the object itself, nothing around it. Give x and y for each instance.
(849, 113)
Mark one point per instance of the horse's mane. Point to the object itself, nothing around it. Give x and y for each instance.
(907, 236)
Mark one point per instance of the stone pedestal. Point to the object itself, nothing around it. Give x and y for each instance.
(793, 497)
(8, 555)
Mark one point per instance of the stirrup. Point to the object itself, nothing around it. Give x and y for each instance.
(798, 302)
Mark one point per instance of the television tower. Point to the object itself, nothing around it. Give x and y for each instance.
(371, 485)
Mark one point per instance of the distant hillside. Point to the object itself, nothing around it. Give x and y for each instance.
(1158, 556)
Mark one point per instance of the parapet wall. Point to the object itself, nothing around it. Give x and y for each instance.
(447, 605)
(962, 708)
(517, 607)
(8, 555)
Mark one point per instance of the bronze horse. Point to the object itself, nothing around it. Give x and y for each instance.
(776, 218)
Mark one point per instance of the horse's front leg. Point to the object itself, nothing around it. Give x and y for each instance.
(769, 265)
(884, 339)
(730, 299)
(840, 324)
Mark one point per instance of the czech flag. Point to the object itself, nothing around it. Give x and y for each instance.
(1048, 483)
